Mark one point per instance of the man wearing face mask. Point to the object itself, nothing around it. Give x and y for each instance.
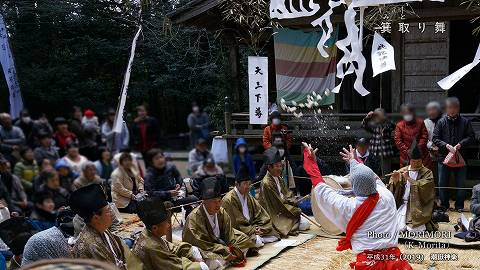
(409, 129)
(278, 200)
(242, 155)
(276, 126)
(414, 190)
(198, 123)
(453, 133)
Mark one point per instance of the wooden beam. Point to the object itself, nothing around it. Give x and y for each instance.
(396, 86)
(193, 12)
(234, 60)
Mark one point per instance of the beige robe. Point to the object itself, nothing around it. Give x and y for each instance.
(199, 232)
(258, 216)
(157, 253)
(281, 207)
(93, 245)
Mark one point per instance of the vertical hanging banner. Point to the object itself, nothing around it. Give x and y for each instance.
(6, 59)
(383, 55)
(258, 89)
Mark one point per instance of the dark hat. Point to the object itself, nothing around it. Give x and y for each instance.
(152, 211)
(59, 120)
(271, 156)
(414, 152)
(275, 114)
(362, 141)
(242, 174)
(15, 232)
(87, 200)
(64, 221)
(210, 188)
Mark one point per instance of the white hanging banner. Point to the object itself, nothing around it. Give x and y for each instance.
(118, 123)
(447, 82)
(258, 89)
(383, 55)
(6, 59)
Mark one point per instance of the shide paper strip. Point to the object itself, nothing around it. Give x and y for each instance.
(447, 82)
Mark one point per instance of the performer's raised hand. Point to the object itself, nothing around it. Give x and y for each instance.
(348, 155)
(312, 152)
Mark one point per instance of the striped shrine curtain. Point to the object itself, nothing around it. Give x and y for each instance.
(299, 67)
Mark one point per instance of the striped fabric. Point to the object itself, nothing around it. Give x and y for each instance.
(300, 69)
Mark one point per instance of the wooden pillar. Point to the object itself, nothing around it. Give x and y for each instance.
(234, 60)
(396, 86)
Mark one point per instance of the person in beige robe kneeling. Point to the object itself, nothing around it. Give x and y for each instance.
(278, 200)
(246, 213)
(209, 227)
(156, 252)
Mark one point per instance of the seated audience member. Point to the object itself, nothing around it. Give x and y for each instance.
(95, 240)
(164, 181)
(41, 126)
(246, 213)
(158, 253)
(105, 164)
(276, 126)
(198, 155)
(45, 150)
(209, 227)
(413, 188)
(278, 200)
(51, 243)
(114, 141)
(11, 137)
(363, 155)
(475, 204)
(25, 123)
(26, 169)
(51, 185)
(14, 187)
(65, 174)
(127, 185)
(74, 159)
(63, 136)
(303, 185)
(37, 181)
(241, 155)
(409, 129)
(43, 214)
(209, 169)
(89, 176)
(137, 158)
(15, 232)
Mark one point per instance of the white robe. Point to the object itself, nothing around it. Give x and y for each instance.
(339, 209)
(402, 210)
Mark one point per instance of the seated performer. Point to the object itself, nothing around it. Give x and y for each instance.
(245, 211)
(413, 188)
(15, 233)
(368, 219)
(209, 227)
(278, 200)
(95, 240)
(153, 250)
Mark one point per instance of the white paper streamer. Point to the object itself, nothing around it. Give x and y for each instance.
(325, 18)
(278, 9)
(447, 82)
(118, 123)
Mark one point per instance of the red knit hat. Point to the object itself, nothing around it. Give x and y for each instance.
(89, 113)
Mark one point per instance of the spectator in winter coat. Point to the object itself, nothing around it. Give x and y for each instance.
(409, 129)
(43, 215)
(198, 155)
(276, 126)
(475, 204)
(11, 137)
(74, 159)
(164, 181)
(45, 150)
(14, 187)
(381, 143)
(51, 185)
(26, 169)
(127, 185)
(363, 156)
(65, 174)
(241, 155)
(114, 141)
(453, 133)
(198, 123)
(145, 131)
(25, 122)
(105, 164)
(63, 136)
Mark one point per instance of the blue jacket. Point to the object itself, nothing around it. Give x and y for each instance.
(158, 183)
(247, 159)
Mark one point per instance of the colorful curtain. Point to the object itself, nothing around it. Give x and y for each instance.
(300, 69)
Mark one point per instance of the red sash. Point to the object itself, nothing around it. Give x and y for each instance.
(358, 218)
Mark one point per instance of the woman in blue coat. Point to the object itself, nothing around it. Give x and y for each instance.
(241, 155)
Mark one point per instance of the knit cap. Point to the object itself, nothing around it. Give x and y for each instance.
(363, 179)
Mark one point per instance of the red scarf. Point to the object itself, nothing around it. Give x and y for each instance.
(357, 220)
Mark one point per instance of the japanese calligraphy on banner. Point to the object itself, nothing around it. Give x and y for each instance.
(447, 82)
(6, 59)
(258, 89)
(383, 55)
